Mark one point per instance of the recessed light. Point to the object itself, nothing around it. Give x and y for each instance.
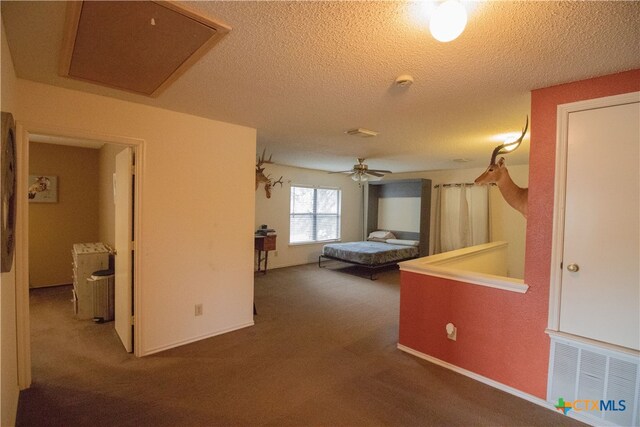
(462, 160)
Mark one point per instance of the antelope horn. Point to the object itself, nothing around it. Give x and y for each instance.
(501, 149)
(278, 182)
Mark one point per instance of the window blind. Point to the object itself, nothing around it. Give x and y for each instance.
(314, 214)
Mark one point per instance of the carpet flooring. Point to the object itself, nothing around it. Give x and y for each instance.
(322, 353)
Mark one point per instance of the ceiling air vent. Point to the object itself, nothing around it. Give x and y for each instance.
(137, 46)
(364, 133)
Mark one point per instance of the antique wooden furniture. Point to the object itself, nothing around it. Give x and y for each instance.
(264, 244)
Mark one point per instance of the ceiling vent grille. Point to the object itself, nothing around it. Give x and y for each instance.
(361, 132)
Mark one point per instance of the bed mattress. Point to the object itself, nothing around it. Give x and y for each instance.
(369, 253)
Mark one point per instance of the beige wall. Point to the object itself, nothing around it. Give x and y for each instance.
(55, 227)
(107, 217)
(196, 234)
(506, 223)
(8, 356)
(275, 211)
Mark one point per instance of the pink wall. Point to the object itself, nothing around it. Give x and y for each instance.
(501, 333)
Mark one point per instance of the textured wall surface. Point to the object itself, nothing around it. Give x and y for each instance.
(501, 334)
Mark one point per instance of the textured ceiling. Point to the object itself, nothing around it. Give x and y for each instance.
(302, 73)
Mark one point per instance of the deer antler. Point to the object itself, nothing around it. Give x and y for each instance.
(269, 185)
(261, 159)
(508, 147)
(260, 170)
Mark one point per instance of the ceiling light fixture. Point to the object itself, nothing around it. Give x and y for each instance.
(404, 80)
(448, 21)
(359, 177)
(361, 132)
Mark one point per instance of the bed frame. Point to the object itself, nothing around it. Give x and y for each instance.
(373, 269)
(395, 188)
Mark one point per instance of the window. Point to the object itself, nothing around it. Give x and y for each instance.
(314, 214)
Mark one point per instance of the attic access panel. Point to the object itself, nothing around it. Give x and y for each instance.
(138, 46)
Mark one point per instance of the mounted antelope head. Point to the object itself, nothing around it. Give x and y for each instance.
(265, 179)
(498, 174)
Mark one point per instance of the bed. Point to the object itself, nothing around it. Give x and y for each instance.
(374, 254)
(397, 224)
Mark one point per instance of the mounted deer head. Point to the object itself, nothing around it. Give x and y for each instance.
(498, 174)
(265, 179)
(269, 185)
(260, 176)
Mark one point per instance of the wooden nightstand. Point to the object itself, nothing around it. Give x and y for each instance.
(264, 244)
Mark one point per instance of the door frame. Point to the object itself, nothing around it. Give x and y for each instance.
(562, 139)
(23, 332)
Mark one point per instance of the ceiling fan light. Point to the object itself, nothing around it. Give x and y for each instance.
(448, 21)
(359, 177)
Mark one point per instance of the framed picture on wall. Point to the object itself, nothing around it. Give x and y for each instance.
(43, 189)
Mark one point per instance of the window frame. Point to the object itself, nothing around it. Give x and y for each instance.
(315, 214)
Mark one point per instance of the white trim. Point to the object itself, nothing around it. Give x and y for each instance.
(23, 326)
(316, 187)
(315, 242)
(196, 338)
(557, 245)
(23, 129)
(470, 277)
(428, 266)
(495, 384)
(600, 345)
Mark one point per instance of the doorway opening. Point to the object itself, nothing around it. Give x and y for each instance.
(89, 199)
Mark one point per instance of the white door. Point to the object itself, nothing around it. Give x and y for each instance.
(124, 249)
(600, 294)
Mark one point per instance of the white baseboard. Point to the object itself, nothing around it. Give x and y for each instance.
(31, 286)
(194, 339)
(488, 381)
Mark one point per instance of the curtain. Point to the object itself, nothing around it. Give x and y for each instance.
(462, 217)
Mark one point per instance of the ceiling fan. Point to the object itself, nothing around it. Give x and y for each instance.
(361, 172)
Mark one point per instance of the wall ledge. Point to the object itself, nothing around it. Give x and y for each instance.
(470, 277)
(463, 253)
(432, 266)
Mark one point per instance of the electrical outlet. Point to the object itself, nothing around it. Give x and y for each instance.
(198, 310)
(452, 331)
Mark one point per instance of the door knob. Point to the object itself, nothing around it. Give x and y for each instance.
(573, 267)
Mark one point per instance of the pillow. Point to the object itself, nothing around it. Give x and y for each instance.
(376, 239)
(381, 234)
(403, 242)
